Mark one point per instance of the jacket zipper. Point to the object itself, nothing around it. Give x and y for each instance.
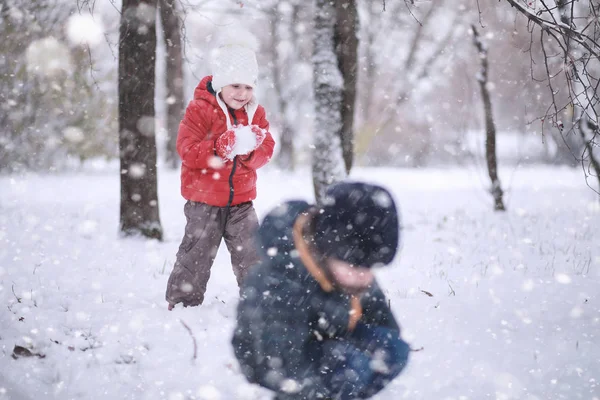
(235, 159)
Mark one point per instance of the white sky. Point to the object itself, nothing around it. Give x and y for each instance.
(514, 313)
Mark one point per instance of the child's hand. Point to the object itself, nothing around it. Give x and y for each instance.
(260, 133)
(224, 145)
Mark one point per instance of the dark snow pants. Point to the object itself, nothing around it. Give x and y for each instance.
(206, 226)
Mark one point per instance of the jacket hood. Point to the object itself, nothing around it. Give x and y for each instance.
(275, 233)
(205, 91)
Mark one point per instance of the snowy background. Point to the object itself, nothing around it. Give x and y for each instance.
(418, 101)
(498, 305)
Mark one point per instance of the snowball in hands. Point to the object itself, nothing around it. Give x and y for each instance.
(245, 141)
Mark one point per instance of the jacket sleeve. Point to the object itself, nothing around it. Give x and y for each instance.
(270, 342)
(376, 311)
(264, 152)
(365, 362)
(372, 354)
(195, 145)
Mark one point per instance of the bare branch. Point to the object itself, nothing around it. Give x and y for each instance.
(13, 291)
(557, 27)
(580, 63)
(193, 339)
(411, 13)
(479, 14)
(91, 61)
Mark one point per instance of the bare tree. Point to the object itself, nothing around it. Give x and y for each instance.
(418, 62)
(346, 45)
(52, 109)
(573, 29)
(139, 212)
(490, 128)
(406, 39)
(327, 161)
(174, 66)
(281, 22)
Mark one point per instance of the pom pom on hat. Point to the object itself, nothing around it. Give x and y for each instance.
(234, 59)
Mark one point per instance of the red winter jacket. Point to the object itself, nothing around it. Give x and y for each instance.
(202, 179)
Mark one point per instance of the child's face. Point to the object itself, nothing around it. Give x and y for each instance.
(350, 278)
(236, 95)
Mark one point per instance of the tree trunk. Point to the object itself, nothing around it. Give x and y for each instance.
(174, 67)
(346, 46)
(137, 141)
(327, 161)
(369, 67)
(490, 128)
(280, 26)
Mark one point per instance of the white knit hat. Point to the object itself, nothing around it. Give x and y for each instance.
(234, 60)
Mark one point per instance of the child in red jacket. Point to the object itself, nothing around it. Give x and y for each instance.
(223, 139)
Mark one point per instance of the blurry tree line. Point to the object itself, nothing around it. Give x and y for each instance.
(345, 82)
(416, 93)
(52, 110)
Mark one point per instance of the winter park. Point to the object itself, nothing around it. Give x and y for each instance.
(294, 200)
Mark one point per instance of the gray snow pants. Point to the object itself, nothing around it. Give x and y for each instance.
(206, 226)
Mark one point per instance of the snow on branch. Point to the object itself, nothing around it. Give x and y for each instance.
(557, 27)
(577, 68)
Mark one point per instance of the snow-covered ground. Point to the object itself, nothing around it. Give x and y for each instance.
(496, 305)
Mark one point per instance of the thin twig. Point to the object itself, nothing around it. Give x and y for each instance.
(16, 297)
(452, 292)
(91, 61)
(479, 12)
(411, 13)
(193, 338)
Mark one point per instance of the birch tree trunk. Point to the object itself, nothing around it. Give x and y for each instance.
(327, 161)
(139, 213)
(490, 127)
(174, 67)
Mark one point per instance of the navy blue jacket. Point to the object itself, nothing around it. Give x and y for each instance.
(293, 337)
